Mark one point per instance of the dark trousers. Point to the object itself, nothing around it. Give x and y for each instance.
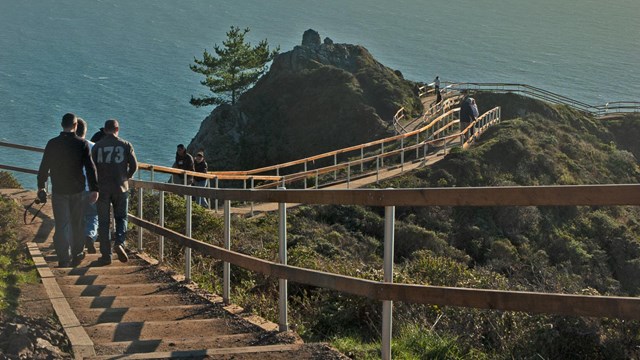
(68, 238)
(120, 202)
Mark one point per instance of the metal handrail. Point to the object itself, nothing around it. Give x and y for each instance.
(551, 97)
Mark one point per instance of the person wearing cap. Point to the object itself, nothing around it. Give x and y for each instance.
(116, 163)
(200, 165)
(64, 158)
(183, 161)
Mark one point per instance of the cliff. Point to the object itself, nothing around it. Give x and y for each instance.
(315, 98)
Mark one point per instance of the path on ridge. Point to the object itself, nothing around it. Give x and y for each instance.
(136, 310)
(383, 174)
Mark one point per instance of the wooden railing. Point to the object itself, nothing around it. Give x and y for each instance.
(386, 291)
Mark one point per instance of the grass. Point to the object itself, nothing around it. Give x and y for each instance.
(15, 267)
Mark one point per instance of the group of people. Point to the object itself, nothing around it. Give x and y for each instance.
(87, 179)
(185, 161)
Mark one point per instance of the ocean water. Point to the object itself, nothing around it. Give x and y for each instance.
(129, 60)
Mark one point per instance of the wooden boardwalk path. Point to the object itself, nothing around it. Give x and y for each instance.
(135, 310)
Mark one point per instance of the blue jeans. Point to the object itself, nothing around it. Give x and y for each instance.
(120, 202)
(201, 200)
(90, 218)
(68, 238)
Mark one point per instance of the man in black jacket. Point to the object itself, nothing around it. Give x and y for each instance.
(64, 158)
(183, 161)
(116, 163)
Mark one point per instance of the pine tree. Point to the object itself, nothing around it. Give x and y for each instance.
(233, 69)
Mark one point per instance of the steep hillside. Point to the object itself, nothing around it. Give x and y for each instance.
(581, 250)
(577, 250)
(315, 98)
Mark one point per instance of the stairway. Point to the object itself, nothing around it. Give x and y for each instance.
(135, 310)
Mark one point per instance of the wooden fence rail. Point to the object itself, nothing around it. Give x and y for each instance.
(386, 291)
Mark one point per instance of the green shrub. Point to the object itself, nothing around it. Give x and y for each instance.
(8, 181)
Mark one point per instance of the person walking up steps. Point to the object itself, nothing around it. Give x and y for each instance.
(116, 163)
(90, 218)
(64, 158)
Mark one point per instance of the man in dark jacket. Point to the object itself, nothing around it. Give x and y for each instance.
(183, 161)
(64, 158)
(116, 163)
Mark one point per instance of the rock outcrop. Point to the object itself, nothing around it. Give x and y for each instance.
(318, 97)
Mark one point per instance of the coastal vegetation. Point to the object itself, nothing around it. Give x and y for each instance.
(572, 249)
(15, 265)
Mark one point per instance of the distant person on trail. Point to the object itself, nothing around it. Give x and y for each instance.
(474, 109)
(200, 166)
(467, 115)
(90, 218)
(64, 158)
(183, 161)
(116, 163)
(436, 84)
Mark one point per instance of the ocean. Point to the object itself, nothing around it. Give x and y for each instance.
(129, 60)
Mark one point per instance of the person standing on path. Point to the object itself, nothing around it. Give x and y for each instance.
(116, 163)
(201, 167)
(90, 218)
(184, 161)
(65, 156)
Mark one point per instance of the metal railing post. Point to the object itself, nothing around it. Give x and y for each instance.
(283, 323)
(152, 172)
(305, 171)
(382, 153)
(140, 229)
(187, 250)
(216, 186)
(161, 244)
(402, 154)
(252, 185)
(361, 159)
(208, 185)
(226, 267)
(417, 147)
(317, 176)
(387, 305)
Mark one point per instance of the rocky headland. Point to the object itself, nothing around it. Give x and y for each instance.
(318, 97)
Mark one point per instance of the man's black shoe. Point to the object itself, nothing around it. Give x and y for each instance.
(91, 249)
(103, 261)
(64, 264)
(78, 259)
(122, 255)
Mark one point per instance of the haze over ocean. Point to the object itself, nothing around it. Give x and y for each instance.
(129, 60)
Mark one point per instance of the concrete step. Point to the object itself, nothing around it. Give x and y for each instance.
(119, 279)
(88, 317)
(195, 331)
(100, 302)
(119, 289)
(236, 353)
(116, 268)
